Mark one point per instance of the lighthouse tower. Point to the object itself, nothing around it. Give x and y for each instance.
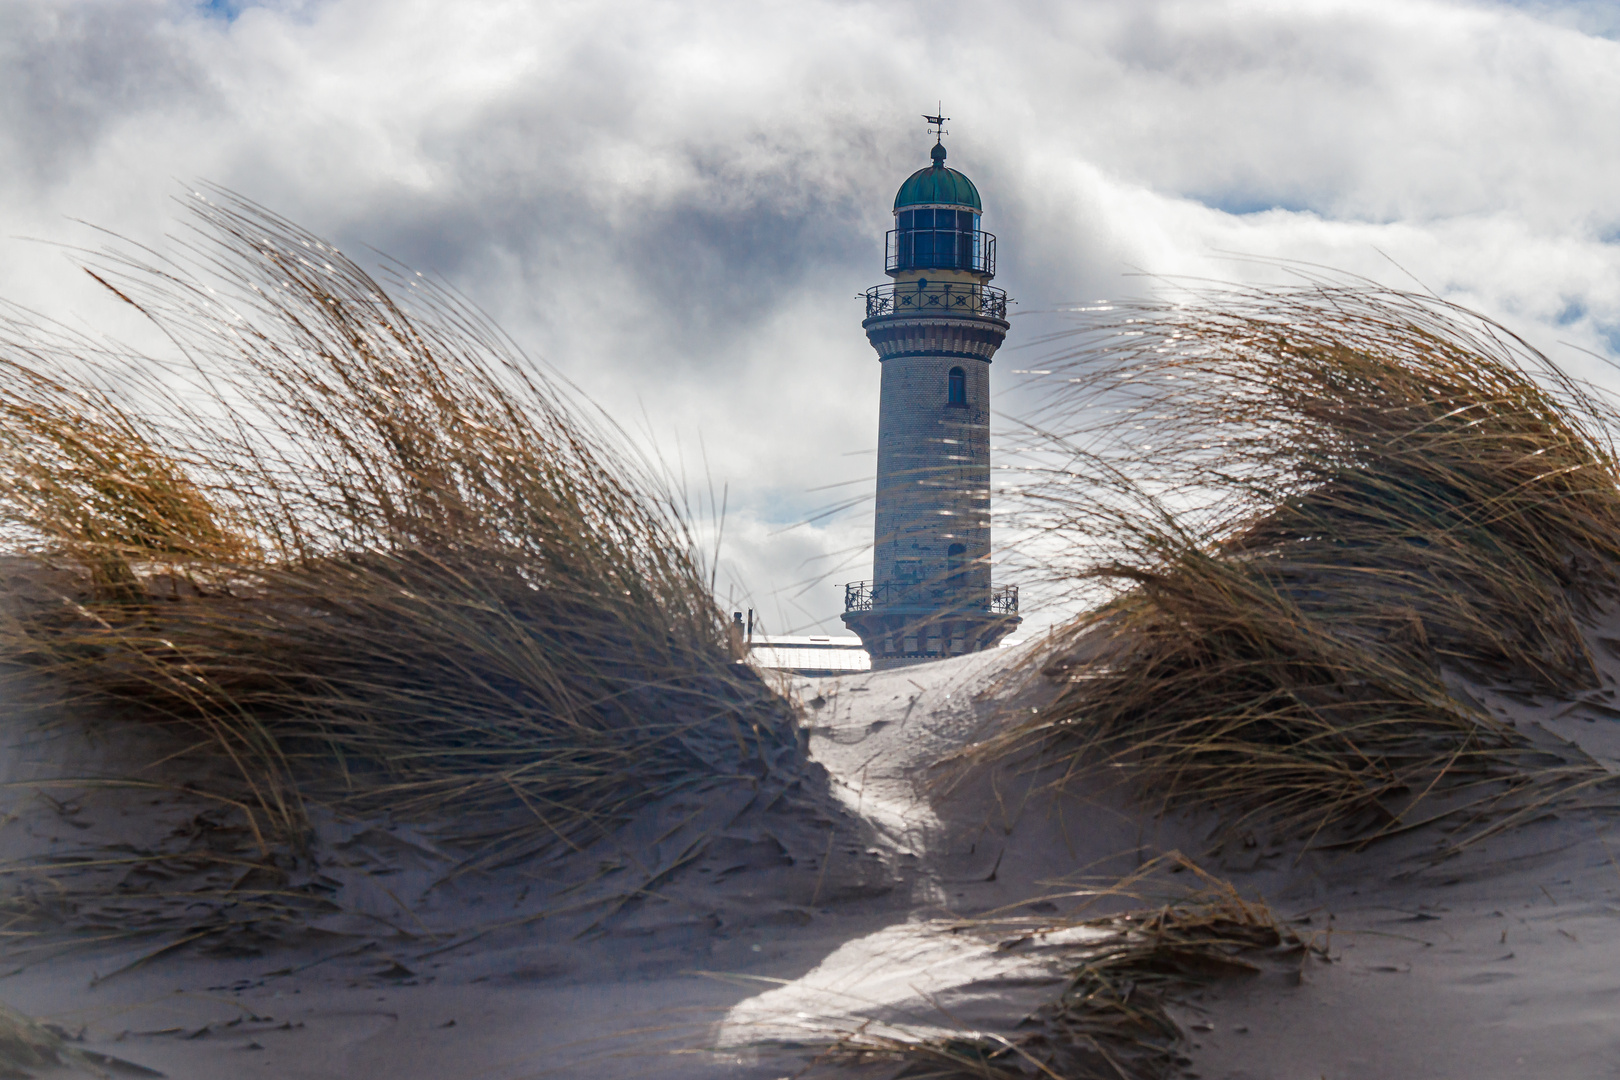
(935, 328)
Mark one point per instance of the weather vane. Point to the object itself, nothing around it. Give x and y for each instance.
(938, 122)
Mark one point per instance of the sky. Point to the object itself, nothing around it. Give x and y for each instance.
(675, 205)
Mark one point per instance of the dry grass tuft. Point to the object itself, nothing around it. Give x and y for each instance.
(1110, 1021)
(353, 543)
(26, 1046)
(1319, 513)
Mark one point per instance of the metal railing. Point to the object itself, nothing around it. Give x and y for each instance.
(944, 249)
(866, 595)
(936, 298)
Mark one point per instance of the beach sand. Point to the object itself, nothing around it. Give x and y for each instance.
(716, 930)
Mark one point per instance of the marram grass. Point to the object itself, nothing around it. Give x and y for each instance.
(1111, 1019)
(357, 546)
(1320, 515)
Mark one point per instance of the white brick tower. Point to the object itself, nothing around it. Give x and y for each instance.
(935, 329)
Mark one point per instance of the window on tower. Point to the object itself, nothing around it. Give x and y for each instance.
(955, 555)
(956, 387)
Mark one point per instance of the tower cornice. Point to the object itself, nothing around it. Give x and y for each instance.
(965, 337)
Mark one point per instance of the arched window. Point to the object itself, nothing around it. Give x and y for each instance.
(956, 387)
(955, 555)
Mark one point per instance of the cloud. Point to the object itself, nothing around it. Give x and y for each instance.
(677, 203)
(70, 73)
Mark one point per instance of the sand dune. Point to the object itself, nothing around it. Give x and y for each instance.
(1499, 961)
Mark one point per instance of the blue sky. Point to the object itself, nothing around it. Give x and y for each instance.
(676, 203)
(1597, 17)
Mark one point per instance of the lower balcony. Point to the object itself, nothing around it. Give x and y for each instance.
(868, 596)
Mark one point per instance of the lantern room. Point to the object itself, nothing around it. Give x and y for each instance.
(937, 212)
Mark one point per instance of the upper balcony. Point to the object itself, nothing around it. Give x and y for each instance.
(969, 249)
(936, 298)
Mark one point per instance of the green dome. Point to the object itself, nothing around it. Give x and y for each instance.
(939, 186)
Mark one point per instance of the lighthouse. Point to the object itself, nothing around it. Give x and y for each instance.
(936, 327)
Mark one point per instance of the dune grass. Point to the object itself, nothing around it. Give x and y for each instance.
(1111, 1020)
(1319, 515)
(27, 1045)
(345, 536)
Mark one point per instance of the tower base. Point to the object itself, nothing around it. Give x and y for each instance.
(901, 636)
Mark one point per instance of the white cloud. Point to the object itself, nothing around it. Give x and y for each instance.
(676, 203)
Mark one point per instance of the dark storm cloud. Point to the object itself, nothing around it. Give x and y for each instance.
(71, 72)
(704, 264)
